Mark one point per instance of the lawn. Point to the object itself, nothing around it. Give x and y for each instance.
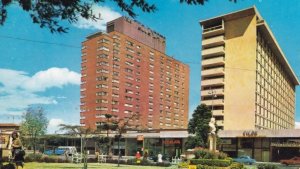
(90, 165)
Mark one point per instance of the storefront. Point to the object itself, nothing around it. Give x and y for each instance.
(262, 145)
(170, 143)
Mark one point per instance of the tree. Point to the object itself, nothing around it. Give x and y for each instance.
(83, 133)
(34, 124)
(198, 125)
(119, 126)
(52, 13)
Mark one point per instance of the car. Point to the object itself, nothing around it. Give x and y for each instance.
(56, 151)
(292, 161)
(68, 149)
(245, 160)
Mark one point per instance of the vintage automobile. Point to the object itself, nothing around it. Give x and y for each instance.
(292, 161)
(61, 150)
(244, 160)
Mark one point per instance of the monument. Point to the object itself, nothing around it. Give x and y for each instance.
(212, 138)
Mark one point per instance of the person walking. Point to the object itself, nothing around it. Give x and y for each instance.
(17, 151)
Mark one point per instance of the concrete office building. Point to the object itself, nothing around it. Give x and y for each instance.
(126, 71)
(246, 78)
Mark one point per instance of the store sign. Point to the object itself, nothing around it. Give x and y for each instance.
(140, 137)
(171, 142)
(285, 144)
(250, 133)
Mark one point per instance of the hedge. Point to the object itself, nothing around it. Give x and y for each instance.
(232, 166)
(146, 162)
(267, 166)
(211, 162)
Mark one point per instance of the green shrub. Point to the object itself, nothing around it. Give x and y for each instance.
(131, 161)
(183, 165)
(201, 153)
(199, 166)
(211, 162)
(33, 157)
(267, 166)
(164, 164)
(146, 162)
(222, 155)
(236, 165)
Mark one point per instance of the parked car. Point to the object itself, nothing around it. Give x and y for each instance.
(68, 149)
(292, 161)
(245, 160)
(61, 150)
(56, 151)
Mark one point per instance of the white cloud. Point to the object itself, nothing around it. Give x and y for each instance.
(53, 125)
(297, 125)
(53, 77)
(18, 90)
(106, 15)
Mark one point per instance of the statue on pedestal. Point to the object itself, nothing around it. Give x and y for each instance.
(212, 139)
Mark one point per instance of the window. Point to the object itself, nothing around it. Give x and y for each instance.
(129, 63)
(115, 95)
(128, 105)
(115, 102)
(115, 81)
(129, 43)
(116, 73)
(102, 71)
(101, 108)
(116, 59)
(127, 111)
(115, 88)
(103, 63)
(102, 78)
(101, 93)
(128, 84)
(103, 48)
(103, 40)
(128, 98)
(116, 66)
(104, 56)
(101, 86)
(129, 77)
(130, 50)
(128, 70)
(128, 91)
(129, 56)
(101, 101)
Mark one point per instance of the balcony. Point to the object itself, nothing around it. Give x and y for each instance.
(217, 92)
(220, 123)
(215, 102)
(215, 51)
(213, 72)
(218, 112)
(212, 82)
(213, 31)
(213, 61)
(214, 41)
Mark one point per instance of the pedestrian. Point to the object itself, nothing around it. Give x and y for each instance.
(17, 151)
(138, 157)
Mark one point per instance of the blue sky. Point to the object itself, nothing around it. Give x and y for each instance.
(48, 75)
